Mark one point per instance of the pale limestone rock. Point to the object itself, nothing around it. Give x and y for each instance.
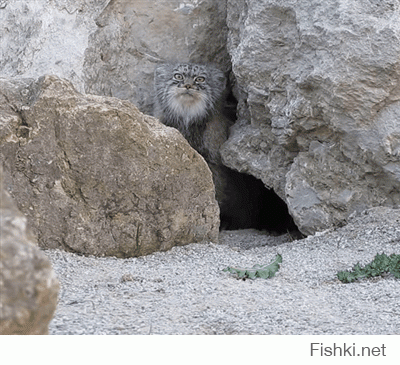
(134, 36)
(28, 285)
(41, 37)
(109, 47)
(318, 85)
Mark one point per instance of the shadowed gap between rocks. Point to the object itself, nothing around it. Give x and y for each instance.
(256, 207)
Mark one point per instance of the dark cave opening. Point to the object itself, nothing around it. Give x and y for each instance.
(257, 207)
(252, 205)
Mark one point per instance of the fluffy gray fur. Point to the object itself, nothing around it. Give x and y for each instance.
(187, 94)
(189, 97)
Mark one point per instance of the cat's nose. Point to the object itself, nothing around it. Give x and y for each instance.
(188, 86)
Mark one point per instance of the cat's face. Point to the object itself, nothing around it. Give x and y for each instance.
(188, 90)
(189, 85)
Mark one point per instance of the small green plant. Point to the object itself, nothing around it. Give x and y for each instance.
(257, 271)
(380, 265)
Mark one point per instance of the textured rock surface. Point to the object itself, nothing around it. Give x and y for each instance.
(40, 37)
(96, 176)
(109, 47)
(133, 36)
(319, 83)
(28, 285)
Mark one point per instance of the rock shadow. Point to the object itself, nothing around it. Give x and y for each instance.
(255, 206)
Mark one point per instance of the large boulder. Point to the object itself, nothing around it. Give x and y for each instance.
(318, 85)
(28, 285)
(96, 176)
(109, 47)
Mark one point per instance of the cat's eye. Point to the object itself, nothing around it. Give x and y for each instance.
(178, 77)
(200, 79)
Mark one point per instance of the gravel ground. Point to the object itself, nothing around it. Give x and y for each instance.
(186, 291)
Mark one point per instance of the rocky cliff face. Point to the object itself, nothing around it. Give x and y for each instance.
(42, 37)
(109, 47)
(132, 37)
(319, 104)
(317, 83)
